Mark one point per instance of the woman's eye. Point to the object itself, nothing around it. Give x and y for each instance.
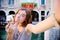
(23, 15)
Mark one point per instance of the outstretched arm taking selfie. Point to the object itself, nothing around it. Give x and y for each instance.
(47, 23)
(42, 26)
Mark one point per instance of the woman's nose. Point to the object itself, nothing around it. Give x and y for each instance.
(18, 16)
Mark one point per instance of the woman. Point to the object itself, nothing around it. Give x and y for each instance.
(21, 28)
(17, 29)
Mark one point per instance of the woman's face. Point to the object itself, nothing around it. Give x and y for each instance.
(21, 16)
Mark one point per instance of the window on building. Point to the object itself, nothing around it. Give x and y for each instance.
(35, 16)
(47, 12)
(0, 3)
(42, 18)
(2, 18)
(42, 12)
(42, 2)
(11, 12)
(11, 2)
(42, 15)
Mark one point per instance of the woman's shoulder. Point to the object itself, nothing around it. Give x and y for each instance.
(29, 25)
(27, 28)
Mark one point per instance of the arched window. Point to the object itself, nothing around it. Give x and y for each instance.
(35, 16)
(2, 19)
(2, 13)
(11, 12)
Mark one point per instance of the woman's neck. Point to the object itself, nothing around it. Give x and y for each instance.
(19, 24)
(20, 27)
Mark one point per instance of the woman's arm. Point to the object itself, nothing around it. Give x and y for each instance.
(42, 26)
(47, 23)
(10, 27)
(9, 31)
(57, 10)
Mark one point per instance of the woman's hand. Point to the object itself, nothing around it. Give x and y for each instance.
(10, 26)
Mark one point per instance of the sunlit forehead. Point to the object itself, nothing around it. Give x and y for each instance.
(22, 13)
